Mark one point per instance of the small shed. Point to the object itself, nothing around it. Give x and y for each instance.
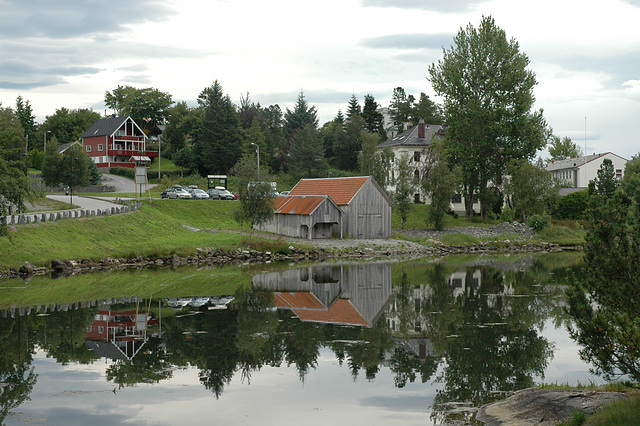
(305, 216)
(366, 208)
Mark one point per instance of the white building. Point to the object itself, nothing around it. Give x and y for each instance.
(578, 172)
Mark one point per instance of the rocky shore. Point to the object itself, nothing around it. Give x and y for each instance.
(320, 250)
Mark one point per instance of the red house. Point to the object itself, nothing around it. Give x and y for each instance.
(116, 142)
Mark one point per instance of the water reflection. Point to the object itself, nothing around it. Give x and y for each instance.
(469, 332)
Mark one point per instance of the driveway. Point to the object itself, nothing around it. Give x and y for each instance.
(121, 183)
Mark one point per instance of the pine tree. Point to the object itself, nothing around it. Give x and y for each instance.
(373, 119)
(302, 115)
(354, 107)
(217, 135)
(307, 154)
(400, 108)
(27, 119)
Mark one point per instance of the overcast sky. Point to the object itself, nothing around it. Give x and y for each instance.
(68, 53)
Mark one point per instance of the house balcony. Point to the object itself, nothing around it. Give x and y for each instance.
(131, 152)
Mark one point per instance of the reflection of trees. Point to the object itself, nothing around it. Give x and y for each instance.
(62, 334)
(16, 374)
(406, 366)
(494, 349)
(148, 366)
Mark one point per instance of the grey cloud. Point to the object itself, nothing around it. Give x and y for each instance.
(13, 85)
(134, 78)
(69, 18)
(446, 6)
(410, 41)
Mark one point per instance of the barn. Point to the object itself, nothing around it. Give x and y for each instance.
(362, 210)
(304, 216)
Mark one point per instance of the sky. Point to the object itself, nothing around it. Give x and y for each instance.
(68, 53)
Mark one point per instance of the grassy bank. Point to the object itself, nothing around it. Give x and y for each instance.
(159, 228)
(164, 227)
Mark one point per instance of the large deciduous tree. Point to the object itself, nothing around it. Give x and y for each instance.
(68, 125)
(405, 182)
(561, 148)
(147, 106)
(217, 135)
(531, 190)
(488, 99)
(255, 193)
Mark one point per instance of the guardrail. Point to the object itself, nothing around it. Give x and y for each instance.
(28, 218)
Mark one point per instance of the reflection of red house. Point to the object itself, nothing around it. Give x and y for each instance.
(125, 330)
(113, 142)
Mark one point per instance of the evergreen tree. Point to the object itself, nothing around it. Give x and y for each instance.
(373, 119)
(14, 186)
(354, 107)
(606, 182)
(247, 111)
(217, 135)
(274, 136)
(302, 115)
(254, 136)
(605, 303)
(631, 178)
(27, 119)
(400, 108)
(186, 160)
(307, 154)
(346, 148)
(427, 110)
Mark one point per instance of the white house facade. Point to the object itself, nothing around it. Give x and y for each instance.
(578, 172)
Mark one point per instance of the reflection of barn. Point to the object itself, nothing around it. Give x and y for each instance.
(118, 334)
(339, 294)
(323, 208)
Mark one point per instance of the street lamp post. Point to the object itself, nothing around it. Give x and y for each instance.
(71, 187)
(45, 140)
(258, 154)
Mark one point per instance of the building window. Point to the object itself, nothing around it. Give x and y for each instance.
(416, 156)
(100, 329)
(417, 174)
(416, 198)
(100, 147)
(417, 326)
(88, 148)
(619, 173)
(456, 199)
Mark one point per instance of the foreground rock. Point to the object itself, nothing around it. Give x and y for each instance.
(543, 407)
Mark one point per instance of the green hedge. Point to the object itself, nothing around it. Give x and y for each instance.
(572, 206)
(124, 171)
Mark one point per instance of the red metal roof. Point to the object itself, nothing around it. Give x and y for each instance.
(341, 312)
(307, 307)
(341, 190)
(304, 205)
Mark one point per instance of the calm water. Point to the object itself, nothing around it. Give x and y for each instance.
(422, 342)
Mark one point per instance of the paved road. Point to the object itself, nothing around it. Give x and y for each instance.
(121, 183)
(85, 203)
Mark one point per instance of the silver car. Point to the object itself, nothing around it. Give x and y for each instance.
(198, 194)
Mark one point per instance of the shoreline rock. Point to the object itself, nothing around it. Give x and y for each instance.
(209, 256)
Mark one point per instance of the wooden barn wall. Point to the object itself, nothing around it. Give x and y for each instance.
(369, 214)
(290, 224)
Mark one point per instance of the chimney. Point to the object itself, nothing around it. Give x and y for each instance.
(421, 130)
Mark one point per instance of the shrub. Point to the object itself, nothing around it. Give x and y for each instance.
(123, 171)
(538, 222)
(572, 206)
(508, 215)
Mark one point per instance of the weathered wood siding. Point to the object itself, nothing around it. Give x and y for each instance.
(324, 222)
(368, 215)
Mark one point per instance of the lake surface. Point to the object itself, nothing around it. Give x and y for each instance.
(420, 342)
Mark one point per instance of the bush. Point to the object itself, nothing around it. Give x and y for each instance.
(538, 222)
(123, 171)
(572, 206)
(508, 215)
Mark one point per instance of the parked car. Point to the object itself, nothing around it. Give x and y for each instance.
(169, 193)
(198, 194)
(219, 193)
(182, 193)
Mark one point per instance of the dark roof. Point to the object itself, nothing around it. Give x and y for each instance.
(65, 146)
(107, 126)
(410, 136)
